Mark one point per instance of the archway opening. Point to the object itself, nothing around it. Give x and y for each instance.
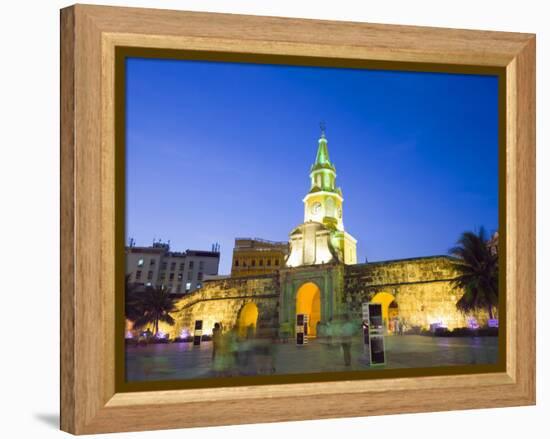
(248, 319)
(393, 310)
(393, 318)
(385, 299)
(308, 301)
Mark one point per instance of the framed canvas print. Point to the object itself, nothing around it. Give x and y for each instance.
(258, 211)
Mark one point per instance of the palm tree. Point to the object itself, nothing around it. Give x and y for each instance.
(477, 267)
(153, 305)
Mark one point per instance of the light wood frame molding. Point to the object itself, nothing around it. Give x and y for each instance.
(89, 35)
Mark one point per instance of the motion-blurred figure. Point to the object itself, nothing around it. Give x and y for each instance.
(216, 339)
(345, 330)
(285, 331)
(264, 351)
(224, 360)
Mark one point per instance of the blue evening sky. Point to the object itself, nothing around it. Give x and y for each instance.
(223, 150)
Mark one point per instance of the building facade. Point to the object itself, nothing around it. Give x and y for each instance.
(254, 256)
(320, 277)
(179, 272)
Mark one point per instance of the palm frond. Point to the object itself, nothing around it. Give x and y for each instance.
(151, 306)
(477, 272)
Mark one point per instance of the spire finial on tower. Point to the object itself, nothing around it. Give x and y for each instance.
(322, 152)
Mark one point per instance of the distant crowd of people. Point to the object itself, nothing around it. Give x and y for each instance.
(396, 326)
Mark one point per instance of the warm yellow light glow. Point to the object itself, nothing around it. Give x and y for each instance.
(308, 301)
(384, 299)
(248, 316)
(446, 320)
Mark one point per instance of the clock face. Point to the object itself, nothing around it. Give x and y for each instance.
(316, 208)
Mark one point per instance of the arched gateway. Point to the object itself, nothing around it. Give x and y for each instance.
(315, 290)
(308, 302)
(248, 319)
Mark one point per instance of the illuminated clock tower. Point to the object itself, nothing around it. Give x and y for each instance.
(323, 203)
(321, 238)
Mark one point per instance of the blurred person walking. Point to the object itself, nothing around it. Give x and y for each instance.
(216, 339)
(346, 332)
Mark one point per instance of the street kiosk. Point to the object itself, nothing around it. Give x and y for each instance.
(197, 335)
(373, 334)
(302, 321)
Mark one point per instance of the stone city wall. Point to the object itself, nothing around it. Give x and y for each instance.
(421, 288)
(433, 268)
(221, 301)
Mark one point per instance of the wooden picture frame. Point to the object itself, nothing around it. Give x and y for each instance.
(90, 35)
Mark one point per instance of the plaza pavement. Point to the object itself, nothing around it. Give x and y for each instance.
(176, 361)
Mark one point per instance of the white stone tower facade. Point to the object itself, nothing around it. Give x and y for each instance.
(322, 238)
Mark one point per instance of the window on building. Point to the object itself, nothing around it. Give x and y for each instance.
(269, 262)
(261, 262)
(179, 288)
(172, 266)
(152, 263)
(253, 262)
(149, 275)
(163, 266)
(182, 266)
(162, 275)
(191, 264)
(148, 284)
(199, 285)
(180, 276)
(201, 265)
(199, 277)
(276, 262)
(189, 275)
(171, 276)
(140, 262)
(138, 274)
(236, 262)
(188, 287)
